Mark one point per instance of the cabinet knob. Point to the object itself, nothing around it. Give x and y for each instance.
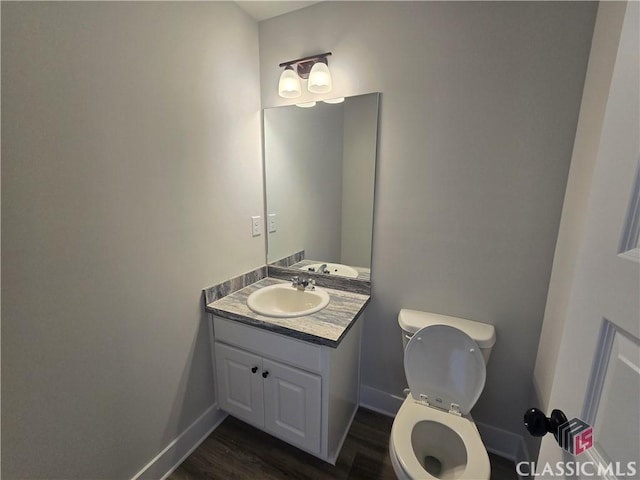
(254, 369)
(265, 374)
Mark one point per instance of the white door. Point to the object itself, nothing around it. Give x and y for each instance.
(240, 383)
(597, 377)
(292, 404)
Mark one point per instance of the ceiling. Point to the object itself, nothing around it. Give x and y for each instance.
(262, 10)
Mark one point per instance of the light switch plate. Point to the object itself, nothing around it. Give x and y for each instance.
(256, 226)
(271, 219)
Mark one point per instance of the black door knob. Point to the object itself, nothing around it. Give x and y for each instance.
(254, 369)
(536, 422)
(539, 425)
(265, 374)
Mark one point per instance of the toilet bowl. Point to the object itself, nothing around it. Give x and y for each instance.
(430, 444)
(433, 435)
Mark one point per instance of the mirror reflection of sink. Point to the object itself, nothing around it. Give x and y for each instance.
(334, 269)
(285, 301)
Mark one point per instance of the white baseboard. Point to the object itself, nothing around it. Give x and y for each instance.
(182, 446)
(379, 401)
(500, 442)
(503, 443)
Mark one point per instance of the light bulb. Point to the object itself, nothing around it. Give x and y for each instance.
(289, 84)
(319, 78)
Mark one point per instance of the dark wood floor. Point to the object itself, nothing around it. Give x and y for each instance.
(236, 450)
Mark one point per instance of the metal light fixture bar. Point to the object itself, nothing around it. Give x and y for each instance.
(304, 65)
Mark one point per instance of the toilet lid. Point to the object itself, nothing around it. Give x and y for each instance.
(445, 364)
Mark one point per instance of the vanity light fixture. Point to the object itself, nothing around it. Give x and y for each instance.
(334, 100)
(319, 79)
(306, 104)
(289, 85)
(314, 68)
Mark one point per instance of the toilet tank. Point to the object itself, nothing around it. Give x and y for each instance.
(413, 320)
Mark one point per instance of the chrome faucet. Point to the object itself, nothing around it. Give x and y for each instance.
(303, 283)
(322, 269)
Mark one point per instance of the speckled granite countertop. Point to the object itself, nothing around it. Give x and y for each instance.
(326, 327)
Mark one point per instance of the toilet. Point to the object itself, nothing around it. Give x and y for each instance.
(433, 435)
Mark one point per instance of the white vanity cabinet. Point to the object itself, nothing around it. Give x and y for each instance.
(303, 393)
(280, 399)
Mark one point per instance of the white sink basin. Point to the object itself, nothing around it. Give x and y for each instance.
(285, 301)
(334, 269)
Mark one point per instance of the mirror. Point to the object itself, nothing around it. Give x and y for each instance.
(319, 182)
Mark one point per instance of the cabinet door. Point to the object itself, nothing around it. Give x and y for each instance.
(292, 405)
(240, 383)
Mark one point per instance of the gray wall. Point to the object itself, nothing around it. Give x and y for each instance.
(130, 168)
(478, 115)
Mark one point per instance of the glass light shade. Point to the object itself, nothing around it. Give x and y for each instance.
(306, 105)
(319, 78)
(289, 85)
(334, 100)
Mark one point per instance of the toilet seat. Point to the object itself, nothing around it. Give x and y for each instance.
(410, 414)
(445, 368)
